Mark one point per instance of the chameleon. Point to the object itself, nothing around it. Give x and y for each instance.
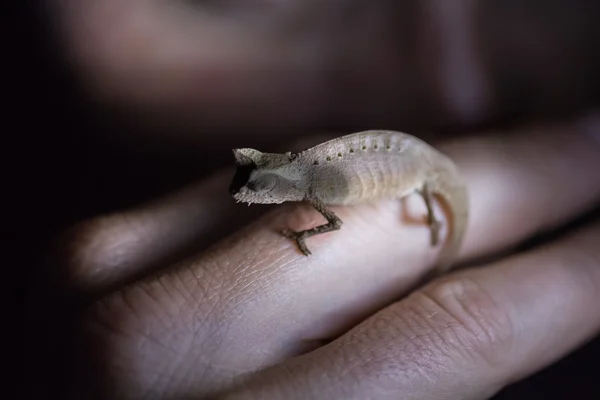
(359, 167)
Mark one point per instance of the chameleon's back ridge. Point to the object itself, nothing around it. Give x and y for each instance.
(368, 165)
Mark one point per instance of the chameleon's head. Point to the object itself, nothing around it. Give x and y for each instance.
(265, 178)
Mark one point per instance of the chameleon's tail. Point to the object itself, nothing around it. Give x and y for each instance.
(454, 194)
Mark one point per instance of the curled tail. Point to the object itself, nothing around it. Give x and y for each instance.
(453, 193)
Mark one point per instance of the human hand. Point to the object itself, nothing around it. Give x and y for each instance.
(170, 318)
(253, 314)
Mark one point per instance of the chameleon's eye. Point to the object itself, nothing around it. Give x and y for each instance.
(263, 183)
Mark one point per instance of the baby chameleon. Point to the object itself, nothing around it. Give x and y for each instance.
(360, 167)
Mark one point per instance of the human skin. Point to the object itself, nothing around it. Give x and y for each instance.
(247, 316)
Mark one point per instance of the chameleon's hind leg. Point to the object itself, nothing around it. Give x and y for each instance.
(333, 223)
(433, 222)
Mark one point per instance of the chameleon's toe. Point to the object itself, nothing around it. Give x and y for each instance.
(435, 227)
(299, 239)
(303, 248)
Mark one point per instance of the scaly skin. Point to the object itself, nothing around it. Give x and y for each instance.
(356, 168)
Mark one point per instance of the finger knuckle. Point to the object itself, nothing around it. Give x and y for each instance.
(115, 330)
(144, 330)
(467, 319)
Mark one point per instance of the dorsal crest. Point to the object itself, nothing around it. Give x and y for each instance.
(245, 157)
(251, 157)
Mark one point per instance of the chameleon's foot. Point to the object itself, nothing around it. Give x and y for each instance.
(299, 237)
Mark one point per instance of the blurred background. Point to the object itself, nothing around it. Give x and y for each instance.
(113, 103)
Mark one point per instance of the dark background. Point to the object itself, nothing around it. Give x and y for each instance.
(59, 169)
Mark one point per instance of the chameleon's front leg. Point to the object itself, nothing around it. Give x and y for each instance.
(333, 224)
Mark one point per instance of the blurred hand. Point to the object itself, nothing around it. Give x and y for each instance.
(175, 311)
(204, 65)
